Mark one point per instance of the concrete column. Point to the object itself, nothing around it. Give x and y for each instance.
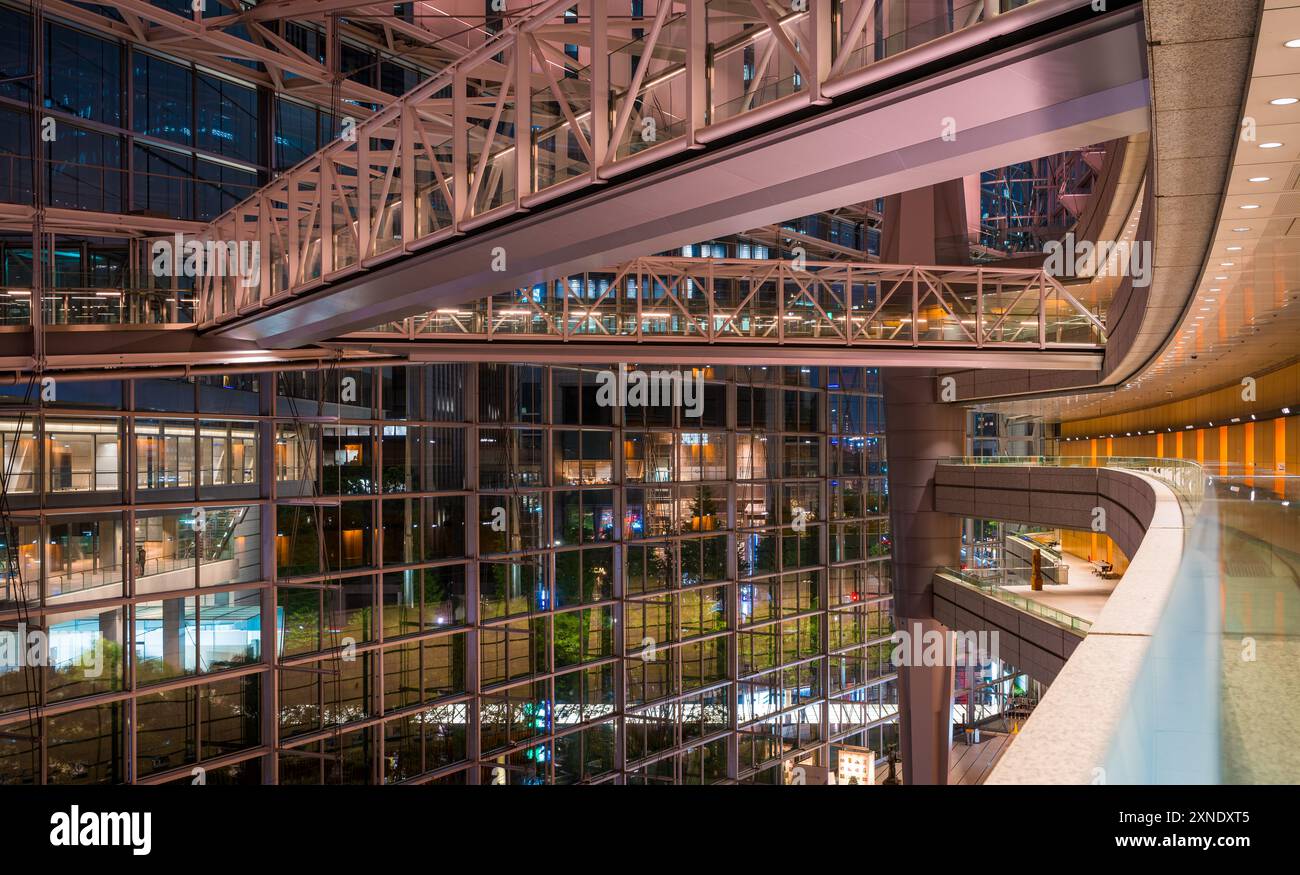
(110, 626)
(173, 634)
(925, 695)
(971, 198)
(931, 225)
(919, 432)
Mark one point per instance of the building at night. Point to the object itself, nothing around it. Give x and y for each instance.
(648, 392)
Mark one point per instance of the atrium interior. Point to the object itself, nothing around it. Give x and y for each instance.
(662, 392)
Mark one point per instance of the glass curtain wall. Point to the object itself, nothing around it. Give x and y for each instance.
(445, 573)
(141, 130)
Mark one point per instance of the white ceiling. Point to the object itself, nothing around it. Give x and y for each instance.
(1246, 317)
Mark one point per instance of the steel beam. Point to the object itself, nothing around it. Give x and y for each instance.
(725, 354)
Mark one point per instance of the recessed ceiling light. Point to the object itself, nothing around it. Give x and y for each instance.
(1273, 145)
(1225, 264)
(1220, 277)
(1239, 230)
(1260, 178)
(1209, 300)
(1250, 206)
(1284, 101)
(1234, 248)
(1292, 44)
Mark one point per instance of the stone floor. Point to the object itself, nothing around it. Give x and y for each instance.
(1084, 596)
(1261, 665)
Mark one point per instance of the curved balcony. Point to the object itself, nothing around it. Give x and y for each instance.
(1203, 629)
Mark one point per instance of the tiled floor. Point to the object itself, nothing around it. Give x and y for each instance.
(967, 763)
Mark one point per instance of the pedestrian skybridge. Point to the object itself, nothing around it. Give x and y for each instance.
(523, 161)
(666, 306)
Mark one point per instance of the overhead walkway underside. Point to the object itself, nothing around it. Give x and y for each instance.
(858, 123)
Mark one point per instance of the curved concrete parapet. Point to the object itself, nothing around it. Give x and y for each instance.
(1064, 497)
(1105, 702)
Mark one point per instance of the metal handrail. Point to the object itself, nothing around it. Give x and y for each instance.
(1065, 620)
(1187, 479)
(776, 301)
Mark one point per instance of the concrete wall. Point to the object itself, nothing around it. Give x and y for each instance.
(1060, 497)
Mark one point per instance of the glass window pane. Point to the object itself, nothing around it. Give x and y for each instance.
(86, 653)
(82, 456)
(227, 118)
(165, 551)
(166, 640)
(230, 714)
(164, 104)
(83, 75)
(167, 737)
(87, 746)
(230, 629)
(85, 170)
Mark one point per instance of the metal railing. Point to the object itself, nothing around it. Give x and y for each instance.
(1075, 624)
(700, 299)
(1187, 479)
(99, 306)
(215, 547)
(776, 301)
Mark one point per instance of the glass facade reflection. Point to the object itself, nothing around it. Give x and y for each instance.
(446, 573)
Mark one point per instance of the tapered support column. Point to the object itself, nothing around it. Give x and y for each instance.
(931, 225)
(925, 700)
(920, 432)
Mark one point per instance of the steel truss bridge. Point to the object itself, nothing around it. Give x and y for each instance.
(721, 302)
(526, 123)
